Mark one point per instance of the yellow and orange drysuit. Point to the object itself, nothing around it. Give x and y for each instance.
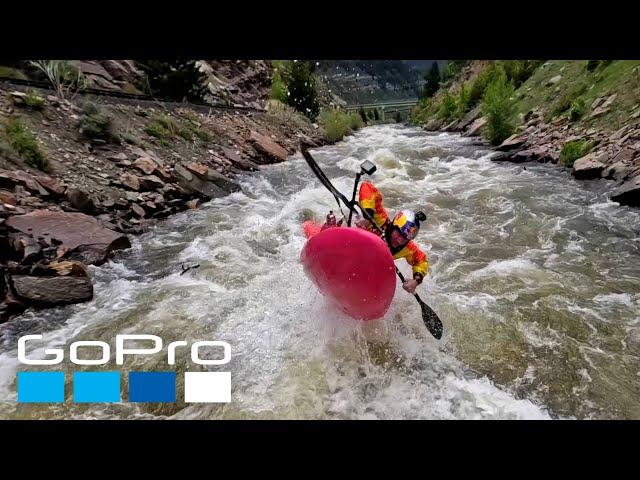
(370, 199)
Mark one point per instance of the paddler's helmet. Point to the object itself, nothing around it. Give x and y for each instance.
(408, 222)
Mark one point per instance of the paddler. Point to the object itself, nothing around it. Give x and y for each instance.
(398, 233)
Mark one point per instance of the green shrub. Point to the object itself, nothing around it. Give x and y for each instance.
(463, 103)
(355, 122)
(447, 106)
(337, 123)
(452, 68)
(202, 135)
(577, 110)
(94, 123)
(480, 82)
(278, 88)
(33, 100)
(11, 72)
(61, 74)
(175, 79)
(25, 145)
(565, 100)
(166, 127)
(499, 108)
(186, 134)
(294, 83)
(518, 71)
(573, 150)
(155, 129)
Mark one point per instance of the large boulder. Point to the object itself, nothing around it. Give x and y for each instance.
(268, 148)
(470, 117)
(476, 127)
(590, 166)
(11, 178)
(209, 174)
(618, 171)
(52, 291)
(628, 193)
(513, 142)
(240, 161)
(81, 200)
(603, 107)
(433, 124)
(76, 235)
(194, 184)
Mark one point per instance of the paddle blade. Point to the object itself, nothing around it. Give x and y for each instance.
(431, 320)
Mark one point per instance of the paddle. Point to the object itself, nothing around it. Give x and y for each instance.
(429, 317)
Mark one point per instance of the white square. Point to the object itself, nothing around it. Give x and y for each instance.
(207, 387)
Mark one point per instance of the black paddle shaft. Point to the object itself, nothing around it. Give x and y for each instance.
(429, 317)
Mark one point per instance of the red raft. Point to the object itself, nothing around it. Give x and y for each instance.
(352, 267)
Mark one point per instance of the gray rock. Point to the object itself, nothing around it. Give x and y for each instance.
(476, 127)
(192, 183)
(554, 80)
(470, 117)
(513, 142)
(628, 193)
(590, 166)
(618, 171)
(625, 155)
(71, 231)
(52, 291)
(80, 200)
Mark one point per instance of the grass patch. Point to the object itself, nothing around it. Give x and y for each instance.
(571, 151)
(24, 143)
(165, 127)
(283, 114)
(33, 100)
(337, 123)
(131, 139)
(10, 72)
(581, 83)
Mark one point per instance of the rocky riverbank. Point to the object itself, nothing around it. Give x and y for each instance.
(111, 171)
(581, 115)
(614, 157)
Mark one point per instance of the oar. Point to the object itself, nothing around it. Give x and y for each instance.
(429, 317)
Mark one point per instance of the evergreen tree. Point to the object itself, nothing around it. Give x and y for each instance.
(176, 79)
(432, 81)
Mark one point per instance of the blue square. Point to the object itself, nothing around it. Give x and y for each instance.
(96, 387)
(40, 387)
(152, 386)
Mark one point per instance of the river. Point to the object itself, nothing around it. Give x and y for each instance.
(535, 275)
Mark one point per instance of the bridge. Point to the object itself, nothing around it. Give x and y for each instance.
(385, 109)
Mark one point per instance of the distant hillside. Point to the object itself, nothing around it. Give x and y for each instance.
(365, 81)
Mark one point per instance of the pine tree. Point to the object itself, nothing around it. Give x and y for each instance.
(176, 79)
(432, 81)
(301, 85)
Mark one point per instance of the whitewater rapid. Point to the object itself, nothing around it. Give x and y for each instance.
(535, 276)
